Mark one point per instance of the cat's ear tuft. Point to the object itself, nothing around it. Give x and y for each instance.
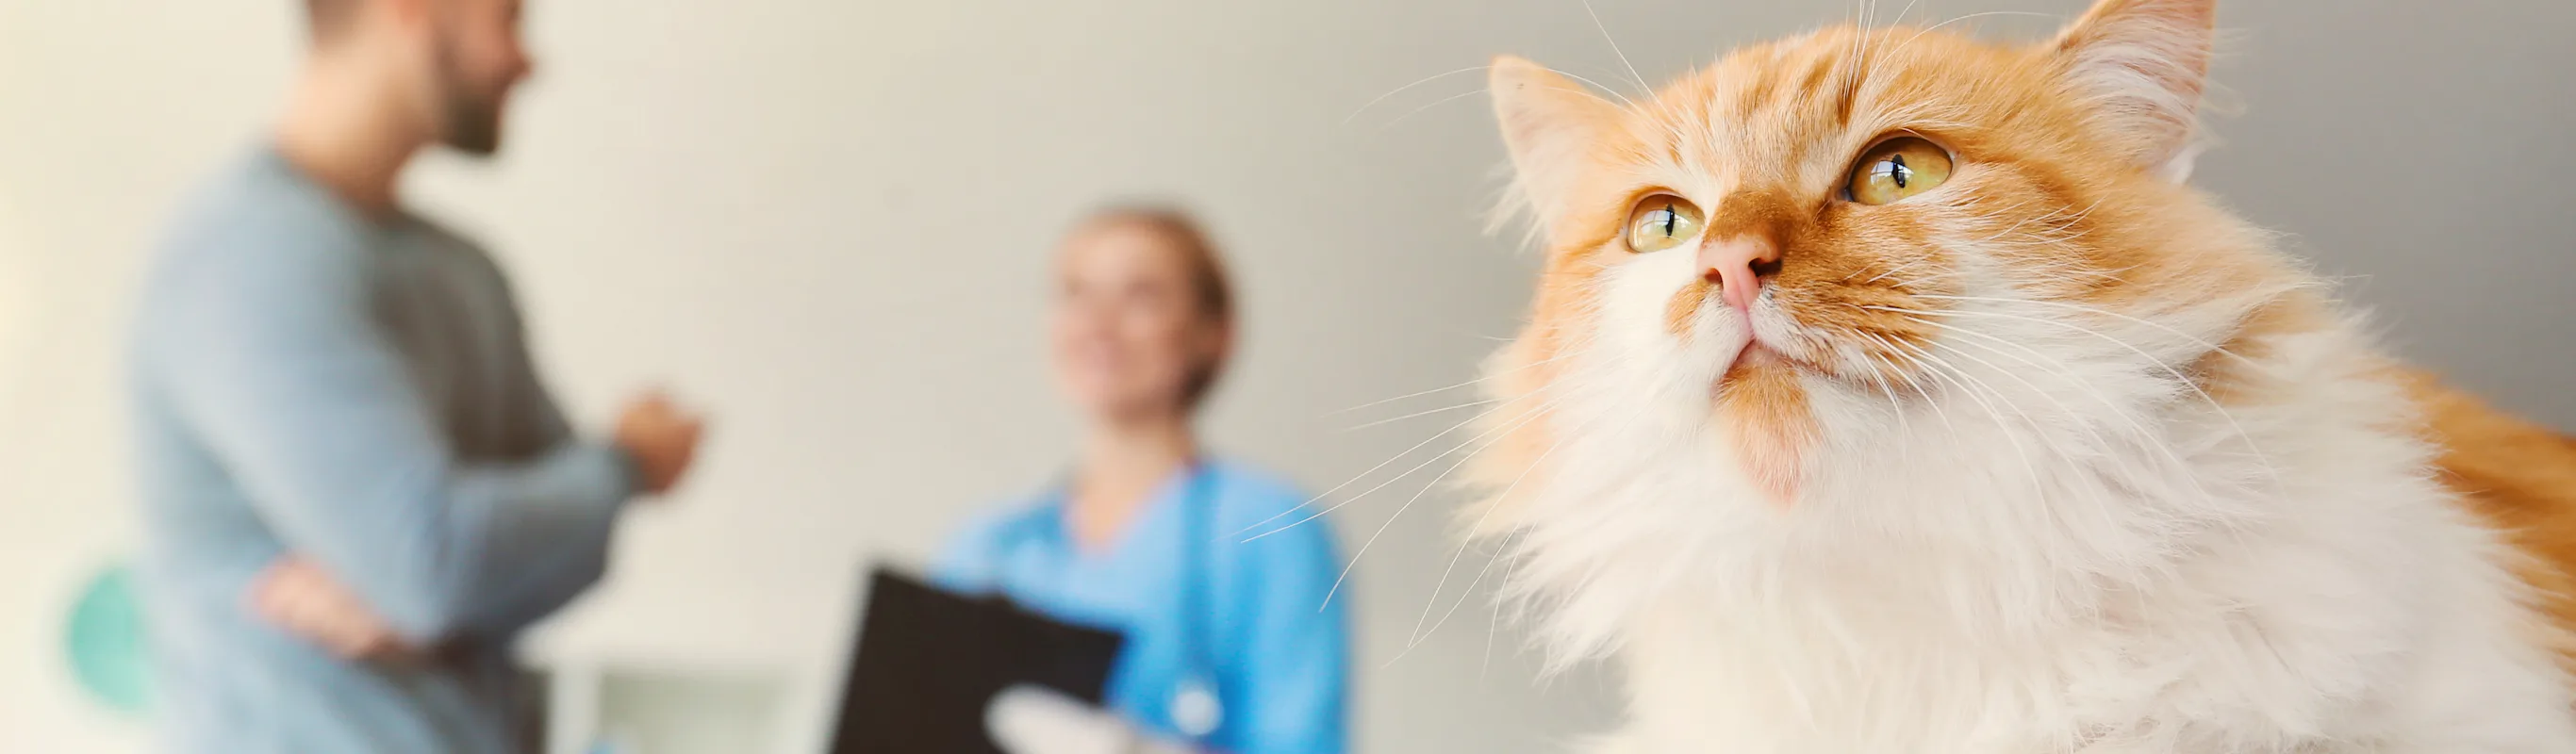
(2142, 66)
(1552, 126)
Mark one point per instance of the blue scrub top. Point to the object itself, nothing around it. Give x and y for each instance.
(1277, 652)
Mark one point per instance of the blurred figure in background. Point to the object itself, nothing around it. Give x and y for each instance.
(356, 490)
(1231, 645)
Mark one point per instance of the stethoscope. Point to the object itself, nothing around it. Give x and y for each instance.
(1195, 708)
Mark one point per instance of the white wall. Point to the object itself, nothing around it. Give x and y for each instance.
(826, 220)
(763, 204)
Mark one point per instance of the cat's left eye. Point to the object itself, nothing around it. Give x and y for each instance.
(1661, 222)
(1897, 168)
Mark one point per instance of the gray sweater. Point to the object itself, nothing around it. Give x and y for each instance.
(310, 381)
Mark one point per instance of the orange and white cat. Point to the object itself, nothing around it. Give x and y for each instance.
(1888, 391)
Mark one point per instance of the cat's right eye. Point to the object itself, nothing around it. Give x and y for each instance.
(1896, 169)
(1661, 222)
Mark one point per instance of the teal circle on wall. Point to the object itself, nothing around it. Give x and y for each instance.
(105, 642)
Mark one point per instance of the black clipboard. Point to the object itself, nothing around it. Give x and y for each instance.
(929, 660)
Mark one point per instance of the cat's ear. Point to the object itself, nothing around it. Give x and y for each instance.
(1552, 126)
(2142, 65)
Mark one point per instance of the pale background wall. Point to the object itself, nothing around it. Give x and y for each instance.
(826, 219)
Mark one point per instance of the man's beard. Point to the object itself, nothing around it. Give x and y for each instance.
(471, 119)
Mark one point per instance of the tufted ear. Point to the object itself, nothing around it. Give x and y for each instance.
(2143, 65)
(1552, 126)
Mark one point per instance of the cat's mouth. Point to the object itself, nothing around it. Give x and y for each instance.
(1772, 341)
(1768, 342)
(1754, 359)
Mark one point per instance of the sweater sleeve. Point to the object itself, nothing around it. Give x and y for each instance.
(273, 359)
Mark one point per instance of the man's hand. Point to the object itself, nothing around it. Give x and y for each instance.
(1037, 720)
(295, 595)
(661, 438)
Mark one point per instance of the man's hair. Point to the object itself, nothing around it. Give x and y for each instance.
(325, 19)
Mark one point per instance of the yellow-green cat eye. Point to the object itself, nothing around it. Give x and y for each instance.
(1897, 168)
(1661, 222)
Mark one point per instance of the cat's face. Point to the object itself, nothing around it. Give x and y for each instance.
(1797, 249)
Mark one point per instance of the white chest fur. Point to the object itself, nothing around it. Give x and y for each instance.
(2277, 579)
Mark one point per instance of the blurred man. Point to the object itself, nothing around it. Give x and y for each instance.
(356, 490)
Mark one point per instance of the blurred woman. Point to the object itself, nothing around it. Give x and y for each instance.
(1232, 645)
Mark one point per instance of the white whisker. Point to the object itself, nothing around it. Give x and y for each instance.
(1930, 29)
(1947, 372)
(1419, 635)
(2122, 412)
(1399, 510)
(1417, 414)
(1355, 114)
(2099, 439)
(1518, 419)
(1310, 502)
(1436, 103)
(1481, 518)
(1642, 86)
(1909, 10)
(1494, 625)
(1904, 429)
(1890, 271)
(2179, 378)
(2050, 217)
(1928, 399)
(2265, 369)
(1623, 98)
(1570, 352)
(2035, 389)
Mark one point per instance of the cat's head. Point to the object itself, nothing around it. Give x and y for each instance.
(1861, 252)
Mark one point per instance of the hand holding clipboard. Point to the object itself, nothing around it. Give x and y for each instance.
(1036, 720)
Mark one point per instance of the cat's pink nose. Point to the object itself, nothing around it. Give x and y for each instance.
(1736, 266)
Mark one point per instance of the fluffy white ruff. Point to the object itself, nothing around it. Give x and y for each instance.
(2066, 548)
